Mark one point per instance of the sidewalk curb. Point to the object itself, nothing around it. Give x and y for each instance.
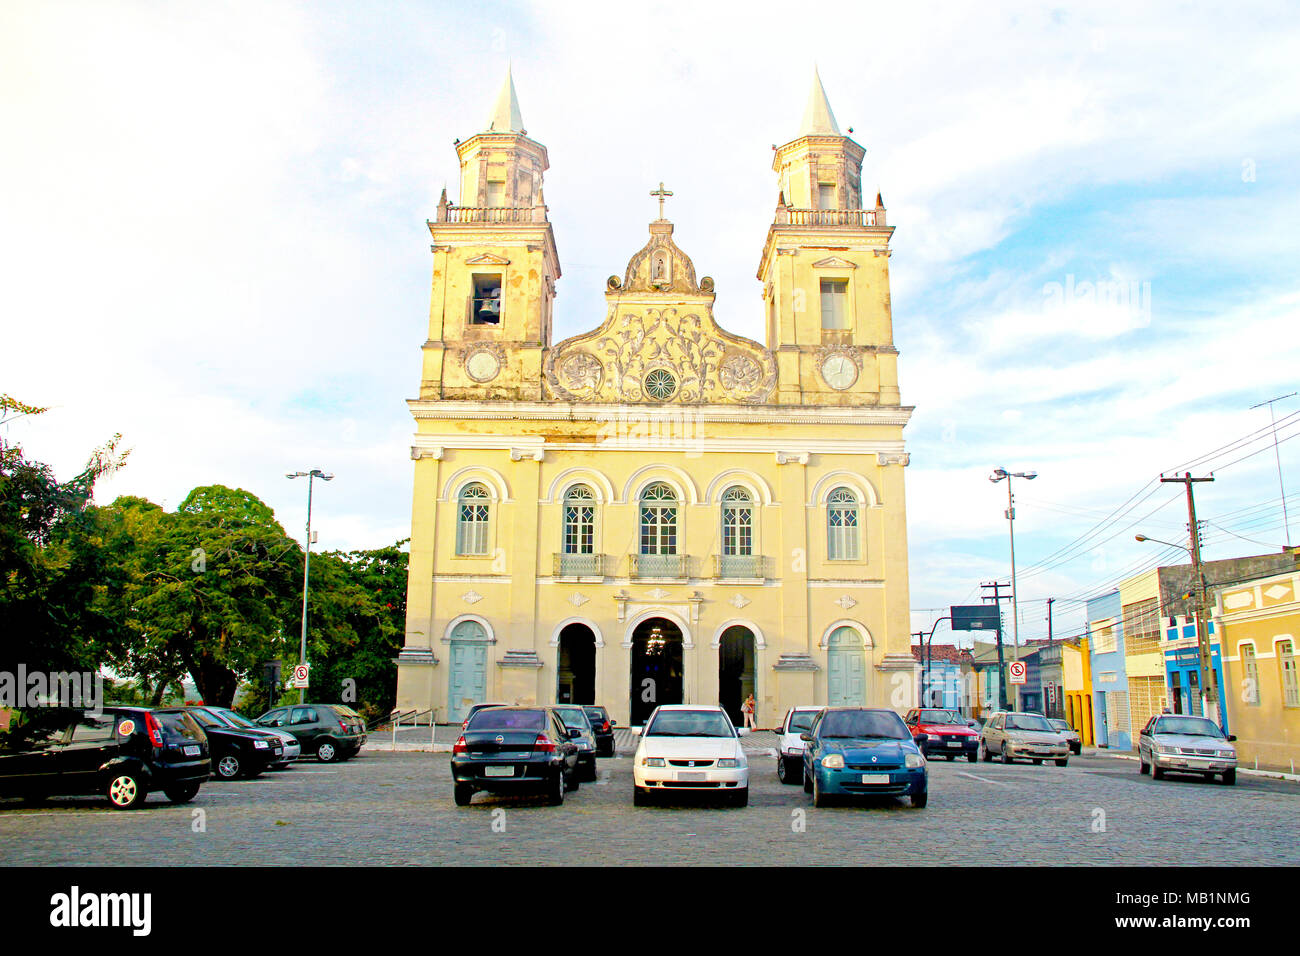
(1271, 774)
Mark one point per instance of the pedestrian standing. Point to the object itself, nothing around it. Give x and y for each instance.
(749, 708)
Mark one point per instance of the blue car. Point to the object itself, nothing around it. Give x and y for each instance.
(862, 751)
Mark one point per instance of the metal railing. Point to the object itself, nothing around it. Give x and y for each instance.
(657, 565)
(472, 214)
(579, 565)
(740, 566)
(828, 217)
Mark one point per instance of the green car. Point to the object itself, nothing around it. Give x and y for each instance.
(330, 731)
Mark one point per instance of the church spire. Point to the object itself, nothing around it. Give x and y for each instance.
(818, 120)
(505, 114)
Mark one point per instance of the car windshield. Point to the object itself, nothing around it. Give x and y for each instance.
(574, 717)
(802, 720)
(233, 718)
(595, 714)
(1028, 722)
(864, 724)
(691, 723)
(1060, 725)
(205, 719)
(1188, 726)
(177, 725)
(496, 718)
(939, 717)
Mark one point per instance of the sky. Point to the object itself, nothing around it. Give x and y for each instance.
(213, 240)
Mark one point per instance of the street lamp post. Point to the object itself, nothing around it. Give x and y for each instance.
(998, 475)
(306, 565)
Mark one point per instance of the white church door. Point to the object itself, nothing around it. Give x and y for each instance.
(846, 669)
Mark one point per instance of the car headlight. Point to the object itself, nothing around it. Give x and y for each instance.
(652, 761)
(728, 763)
(1162, 749)
(833, 762)
(260, 744)
(914, 761)
(795, 750)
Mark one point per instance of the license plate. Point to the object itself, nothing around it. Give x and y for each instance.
(192, 751)
(954, 743)
(498, 771)
(685, 776)
(875, 778)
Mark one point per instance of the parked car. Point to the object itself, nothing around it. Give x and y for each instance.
(1022, 736)
(124, 753)
(602, 727)
(575, 718)
(789, 748)
(234, 752)
(942, 733)
(514, 750)
(474, 709)
(330, 731)
(862, 751)
(1186, 745)
(1072, 738)
(690, 748)
(292, 749)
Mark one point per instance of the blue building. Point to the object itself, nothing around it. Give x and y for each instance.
(1110, 706)
(1183, 667)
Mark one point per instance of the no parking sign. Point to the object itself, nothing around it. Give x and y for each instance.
(300, 673)
(1017, 672)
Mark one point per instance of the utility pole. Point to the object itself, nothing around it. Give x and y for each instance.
(1286, 521)
(1050, 642)
(1209, 685)
(998, 598)
(925, 666)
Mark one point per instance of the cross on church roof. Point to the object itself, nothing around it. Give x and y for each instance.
(661, 193)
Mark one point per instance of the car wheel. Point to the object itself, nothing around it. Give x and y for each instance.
(640, 797)
(326, 752)
(807, 781)
(1006, 754)
(741, 798)
(227, 767)
(919, 800)
(125, 791)
(463, 793)
(1157, 773)
(182, 794)
(571, 781)
(949, 757)
(819, 798)
(1063, 762)
(556, 795)
(1038, 763)
(984, 753)
(1230, 777)
(971, 758)
(783, 769)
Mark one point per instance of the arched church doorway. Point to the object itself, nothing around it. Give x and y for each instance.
(735, 671)
(575, 681)
(656, 667)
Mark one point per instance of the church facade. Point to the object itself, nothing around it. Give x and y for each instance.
(658, 510)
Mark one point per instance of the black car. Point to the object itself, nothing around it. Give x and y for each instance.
(124, 753)
(234, 752)
(511, 750)
(330, 731)
(602, 727)
(575, 718)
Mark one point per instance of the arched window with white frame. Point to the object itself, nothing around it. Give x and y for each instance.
(738, 559)
(473, 513)
(1287, 667)
(658, 526)
(843, 528)
(578, 547)
(1250, 673)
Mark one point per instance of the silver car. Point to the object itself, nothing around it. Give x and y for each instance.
(576, 720)
(1186, 745)
(1016, 736)
(1069, 733)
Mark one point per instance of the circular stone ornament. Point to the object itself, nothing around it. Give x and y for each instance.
(482, 366)
(839, 372)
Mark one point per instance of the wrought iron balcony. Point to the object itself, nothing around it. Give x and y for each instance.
(729, 566)
(580, 565)
(657, 565)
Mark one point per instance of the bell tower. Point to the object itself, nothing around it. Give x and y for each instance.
(825, 271)
(495, 266)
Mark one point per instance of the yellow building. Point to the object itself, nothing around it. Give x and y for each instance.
(1076, 685)
(1259, 633)
(658, 510)
(1144, 652)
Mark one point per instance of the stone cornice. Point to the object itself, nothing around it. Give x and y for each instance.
(453, 410)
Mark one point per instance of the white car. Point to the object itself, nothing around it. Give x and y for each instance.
(690, 748)
(789, 748)
(1186, 745)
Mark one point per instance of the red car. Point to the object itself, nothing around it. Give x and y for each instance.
(942, 733)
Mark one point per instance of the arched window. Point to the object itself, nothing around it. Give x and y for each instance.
(659, 520)
(842, 533)
(472, 520)
(1290, 681)
(577, 549)
(1250, 670)
(737, 522)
